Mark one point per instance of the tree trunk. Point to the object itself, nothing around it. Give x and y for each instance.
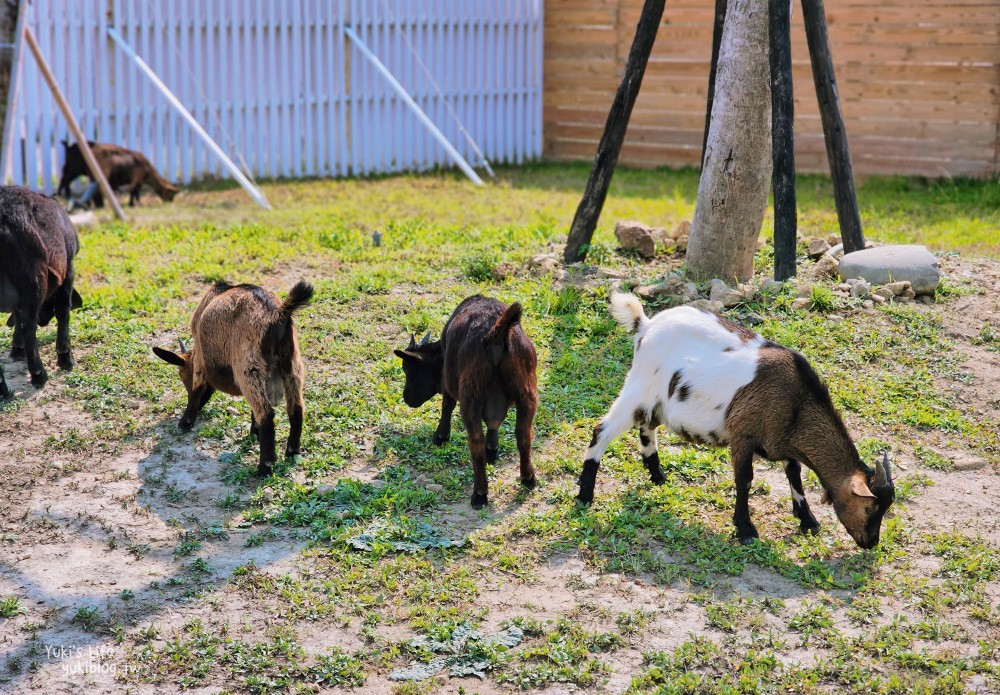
(736, 175)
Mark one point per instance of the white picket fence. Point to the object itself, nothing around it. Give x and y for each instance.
(281, 88)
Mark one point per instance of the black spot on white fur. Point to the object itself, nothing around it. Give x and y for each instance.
(674, 380)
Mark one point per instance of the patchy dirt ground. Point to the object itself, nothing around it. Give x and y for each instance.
(92, 538)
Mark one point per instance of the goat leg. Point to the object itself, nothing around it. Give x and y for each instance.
(17, 341)
(443, 433)
(196, 399)
(620, 417)
(26, 321)
(473, 422)
(742, 460)
(4, 391)
(650, 454)
(254, 429)
(523, 432)
(64, 303)
(267, 453)
(492, 444)
(800, 506)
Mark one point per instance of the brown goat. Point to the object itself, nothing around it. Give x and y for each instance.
(37, 247)
(245, 344)
(484, 361)
(122, 167)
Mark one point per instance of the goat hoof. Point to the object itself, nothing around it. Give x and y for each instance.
(584, 501)
(17, 353)
(38, 380)
(810, 529)
(748, 540)
(292, 452)
(66, 362)
(185, 425)
(479, 500)
(5, 392)
(492, 455)
(264, 470)
(530, 483)
(439, 439)
(657, 478)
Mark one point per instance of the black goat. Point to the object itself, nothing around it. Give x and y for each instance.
(37, 246)
(485, 362)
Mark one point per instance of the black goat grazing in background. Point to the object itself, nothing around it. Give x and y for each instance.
(485, 362)
(37, 246)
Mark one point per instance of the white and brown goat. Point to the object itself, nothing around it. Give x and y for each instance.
(714, 382)
(245, 344)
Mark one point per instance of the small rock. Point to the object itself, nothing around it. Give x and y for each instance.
(879, 299)
(833, 239)
(724, 294)
(689, 292)
(897, 288)
(325, 489)
(434, 487)
(826, 267)
(842, 287)
(836, 318)
(868, 304)
(908, 293)
(801, 303)
(545, 261)
(706, 305)
(635, 236)
(660, 236)
(860, 289)
(681, 243)
(267, 494)
(925, 299)
(817, 247)
(804, 289)
(683, 229)
(611, 274)
(770, 286)
(84, 218)
(969, 464)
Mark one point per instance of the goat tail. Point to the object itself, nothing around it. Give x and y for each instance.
(509, 318)
(297, 298)
(627, 311)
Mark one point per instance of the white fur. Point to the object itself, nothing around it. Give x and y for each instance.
(693, 342)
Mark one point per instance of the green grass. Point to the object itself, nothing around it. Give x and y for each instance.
(386, 554)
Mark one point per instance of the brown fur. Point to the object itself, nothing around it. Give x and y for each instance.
(124, 169)
(785, 414)
(484, 361)
(246, 345)
(37, 247)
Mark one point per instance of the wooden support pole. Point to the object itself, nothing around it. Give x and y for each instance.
(720, 21)
(814, 17)
(585, 221)
(74, 127)
(782, 138)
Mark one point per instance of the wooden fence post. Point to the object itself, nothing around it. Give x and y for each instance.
(814, 17)
(782, 139)
(720, 20)
(585, 221)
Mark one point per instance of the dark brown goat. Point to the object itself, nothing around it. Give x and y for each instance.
(485, 362)
(123, 168)
(245, 344)
(37, 246)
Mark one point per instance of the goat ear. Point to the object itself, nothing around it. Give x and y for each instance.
(75, 301)
(169, 357)
(859, 488)
(407, 356)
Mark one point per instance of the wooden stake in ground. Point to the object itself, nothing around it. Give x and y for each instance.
(735, 178)
(720, 20)
(585, 221)
(88, 155)
(782, 139)
(814, 18)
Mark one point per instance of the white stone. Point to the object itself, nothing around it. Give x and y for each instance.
(887, 264)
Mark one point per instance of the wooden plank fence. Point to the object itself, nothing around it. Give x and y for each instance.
(919, 84)
(279, 86)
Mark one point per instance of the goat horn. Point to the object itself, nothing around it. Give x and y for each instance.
(882, 478)
(183, 346)
(423, 341)
(413, 342)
